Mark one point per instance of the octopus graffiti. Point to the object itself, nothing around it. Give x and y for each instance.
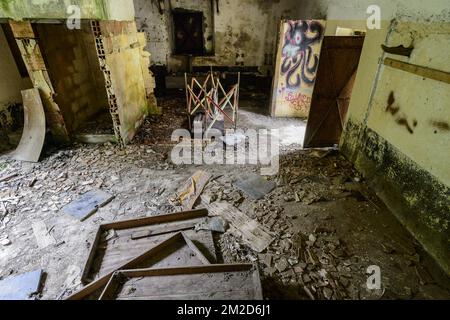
(297, 65)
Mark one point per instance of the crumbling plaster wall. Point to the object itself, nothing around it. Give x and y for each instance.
(245, 32)
(74, 71)
(121, 10)
(126, 64)
(403, 153)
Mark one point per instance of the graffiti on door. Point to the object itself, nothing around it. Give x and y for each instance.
(298, 61)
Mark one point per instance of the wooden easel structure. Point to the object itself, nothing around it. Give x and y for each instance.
(212, 99)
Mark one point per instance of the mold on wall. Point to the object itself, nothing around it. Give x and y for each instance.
(237, 33)
(417, 198)
(396, 126)
(57, 9)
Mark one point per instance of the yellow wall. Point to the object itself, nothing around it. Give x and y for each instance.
(119, 10)
(422, 101)
(11, 83)
(408, 167)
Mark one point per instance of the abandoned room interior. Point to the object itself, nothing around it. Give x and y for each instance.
(224, 150)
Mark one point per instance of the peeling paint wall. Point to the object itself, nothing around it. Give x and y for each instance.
(131, 82)
(397, 130)
(37, 70)
(120, 10)
(245, 32)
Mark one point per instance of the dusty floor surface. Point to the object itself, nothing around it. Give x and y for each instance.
(329, 226)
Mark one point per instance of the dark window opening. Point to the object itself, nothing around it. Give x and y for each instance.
(188, 33)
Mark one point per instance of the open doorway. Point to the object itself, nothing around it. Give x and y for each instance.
(74, 70)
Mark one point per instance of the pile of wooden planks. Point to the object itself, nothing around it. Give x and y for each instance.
(162, 257)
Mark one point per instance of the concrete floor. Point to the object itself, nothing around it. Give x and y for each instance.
(317, 194)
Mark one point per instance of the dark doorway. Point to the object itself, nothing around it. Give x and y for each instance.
(339, 60)
(188, 32)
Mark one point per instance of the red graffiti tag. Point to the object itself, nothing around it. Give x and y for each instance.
(298, 101)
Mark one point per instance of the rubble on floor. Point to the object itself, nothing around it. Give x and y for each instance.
(327, 225)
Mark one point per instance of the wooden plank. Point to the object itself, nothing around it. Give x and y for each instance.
(252, 233)
(195, 249)
(167, 228)
(230, 281)
(22, 29)
(418, 70)
(182, 252)
(100, 283)
(133, 223)
(125, 230)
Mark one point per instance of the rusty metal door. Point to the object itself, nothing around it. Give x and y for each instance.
(339, 61)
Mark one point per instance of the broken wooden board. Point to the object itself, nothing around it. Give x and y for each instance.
(211, 282)
(118, 242)
(253, 234)
(176, 250)
(254, 186)
(87, 204)
(420, 71)
(33, 136)
(21, 287)
(188, 193)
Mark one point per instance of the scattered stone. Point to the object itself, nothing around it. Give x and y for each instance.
(281, 265)
(5, 242)
(327, 293)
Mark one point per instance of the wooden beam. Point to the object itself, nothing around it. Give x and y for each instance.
(418, 70)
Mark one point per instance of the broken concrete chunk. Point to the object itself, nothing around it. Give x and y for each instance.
(87, 204)
(281, 264)
(216, 224)
(42, 235)
(327, 293)
(252, 233)
(5, 242)
(267, 259)
(312, 239)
